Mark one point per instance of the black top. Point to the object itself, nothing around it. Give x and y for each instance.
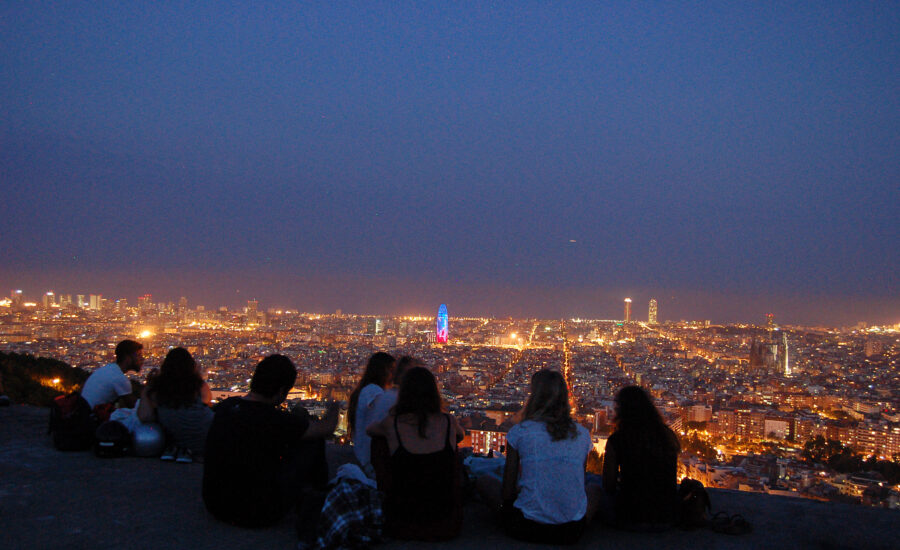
(245, 453)
(421, 502)
(646, 485)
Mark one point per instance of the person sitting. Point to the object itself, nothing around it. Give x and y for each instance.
(382, 406)
(641, 464)
(108, 384)
(423, 499)
(376, 379)
(178, 398)
(542, 497)
(261, 461)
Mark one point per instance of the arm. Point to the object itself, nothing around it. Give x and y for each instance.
(610, 470)
(206, 394)
(323, 429)
(511, 475)
(147, 410)
(459, 430)
(378, 429)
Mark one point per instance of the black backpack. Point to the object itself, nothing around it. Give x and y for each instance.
(693, 504)
(71, 423)
(113, 440)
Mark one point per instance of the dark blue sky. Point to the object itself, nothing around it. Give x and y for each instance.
(728, 159)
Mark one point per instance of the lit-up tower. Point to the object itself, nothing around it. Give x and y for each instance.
(784, 357)
(651, 315)
(252, 312)
(627, 310)
(442, 326)
(770, 321)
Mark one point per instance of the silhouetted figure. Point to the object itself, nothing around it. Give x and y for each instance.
(178, 398)
(259, 458)
(377, 378)
(423, 499)
(543, 497)
(108, 384)
(382, 406)
(640, 466)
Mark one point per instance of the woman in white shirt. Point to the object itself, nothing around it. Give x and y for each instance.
(542, 497)
(378, 376)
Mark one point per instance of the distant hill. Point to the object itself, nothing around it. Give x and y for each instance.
(27, 379)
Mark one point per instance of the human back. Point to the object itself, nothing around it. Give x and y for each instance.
(423, 499)
(640, 469)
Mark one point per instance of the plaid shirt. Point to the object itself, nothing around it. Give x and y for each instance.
(352, 516)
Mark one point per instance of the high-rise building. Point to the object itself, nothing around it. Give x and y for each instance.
(784, 357)
(252, 312)
(79, 301)
(627, 310)
(770, 321)
(49, 300)
(442, 326)
(651, 315)
(374, 326)
(95, 301)
(16, 297)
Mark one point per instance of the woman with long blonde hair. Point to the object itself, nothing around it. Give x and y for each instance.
(543, 497)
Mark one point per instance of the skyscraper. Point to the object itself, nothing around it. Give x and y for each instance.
(252, 313)
(442, 326)
(784, 357)
(627, 310)
(49, 300)
(651, 315)
(770, 321)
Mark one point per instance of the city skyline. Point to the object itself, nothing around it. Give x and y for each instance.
(510, 160)
(94, 301)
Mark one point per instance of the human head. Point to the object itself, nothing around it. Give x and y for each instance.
(404, 364)
(549, 403)
(418, 395)
(274, 375)
(379, 369)
(635, 409)
(129, 355)
(178, 383)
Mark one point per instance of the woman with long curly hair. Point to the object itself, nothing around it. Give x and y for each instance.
(178, 398)
(640, 466)
(543, 496)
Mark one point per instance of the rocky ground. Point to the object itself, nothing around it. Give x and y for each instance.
(50, 499)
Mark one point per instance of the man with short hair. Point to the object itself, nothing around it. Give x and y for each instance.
(108, 384)
(259, 458)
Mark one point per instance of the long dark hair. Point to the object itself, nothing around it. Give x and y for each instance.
(549, 403)
(640, 425)
(178, 383)
(378, 371)
(418, 396)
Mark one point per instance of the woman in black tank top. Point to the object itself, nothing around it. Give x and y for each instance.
(423, 497)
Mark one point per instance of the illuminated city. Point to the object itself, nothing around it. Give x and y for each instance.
(746, 398)
(656, 240)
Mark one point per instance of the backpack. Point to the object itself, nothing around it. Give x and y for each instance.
(71, 423)
(113, 440)
(693, 504)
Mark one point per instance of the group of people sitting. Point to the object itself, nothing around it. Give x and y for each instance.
(542, 494)
(261, 460)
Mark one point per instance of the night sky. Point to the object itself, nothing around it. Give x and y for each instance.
(525, 159)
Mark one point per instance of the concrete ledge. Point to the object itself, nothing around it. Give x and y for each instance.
(52, 500)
